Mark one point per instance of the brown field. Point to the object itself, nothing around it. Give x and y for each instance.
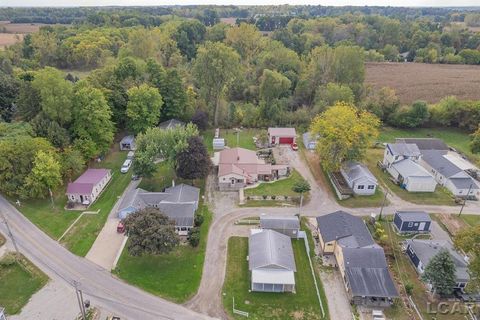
(462, 24)
(20, 27)
(231, 21)
(429, 82)
(7, 39)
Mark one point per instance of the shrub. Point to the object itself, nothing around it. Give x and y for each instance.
(194, 237)
(409, 288)
(198, 220)
(274, 197)
(8, 260)
(264, 197)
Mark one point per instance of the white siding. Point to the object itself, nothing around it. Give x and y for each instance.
(420, 184)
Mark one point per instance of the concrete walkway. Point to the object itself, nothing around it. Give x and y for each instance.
(109, 242)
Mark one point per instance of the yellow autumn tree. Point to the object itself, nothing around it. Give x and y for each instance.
(344, 133)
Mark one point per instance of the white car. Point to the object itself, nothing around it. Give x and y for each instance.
(126, 166)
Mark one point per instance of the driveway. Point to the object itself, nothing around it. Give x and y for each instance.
(438, 233)
(109, 242)
(337, 298)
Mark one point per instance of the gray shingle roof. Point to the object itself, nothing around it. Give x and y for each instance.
(464, 183)
(170, 124)
(425, 250)
(367, 272)
(355, 170)
(413, 216)
(437, 161)
(409, 168)
(269, 248)
(342, 225)
(277, 222)
(404, 149)
(425, 143)
(127, 139)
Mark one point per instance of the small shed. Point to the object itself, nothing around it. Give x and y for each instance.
(127, 143)
(287, 225)
(309, 141)
(218, 143)
(278, 136)
(170, 124)
(412, 221)
(359, 178)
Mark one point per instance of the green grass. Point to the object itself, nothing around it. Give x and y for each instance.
(245, 139)
(19, 281)
(281, 187)
(161, 179)
(441, 196)
(262, 305)
(55, 220)
(2, 240)
(267, 203)
(471, 219)
(174, 276)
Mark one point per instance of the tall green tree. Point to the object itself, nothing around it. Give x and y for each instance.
(194, 161)
(8, 95)
(28, 102)
(273, 85)
(215, 68)
(301, 187)
(440, 273)
(143, 108)
(189, 35)
(45, 176)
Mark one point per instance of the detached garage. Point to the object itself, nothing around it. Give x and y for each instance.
(412, 221)
(412, 177)
(278, 136)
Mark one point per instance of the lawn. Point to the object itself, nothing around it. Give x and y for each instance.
(471, 219)
(20, 280)
(403, 271)
(174, 276)
(245, 138)
(441, 196)
(261, 305)
(281, 187)
(55, 220)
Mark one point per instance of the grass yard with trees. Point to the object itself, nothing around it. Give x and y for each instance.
(174, 276)
(245, 138)
(20, 279)
(282, 187)
(262, 305)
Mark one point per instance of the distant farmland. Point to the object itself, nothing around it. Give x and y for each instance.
(11, 33)
(429, 82)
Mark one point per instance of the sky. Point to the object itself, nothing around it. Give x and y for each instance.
(70, 3)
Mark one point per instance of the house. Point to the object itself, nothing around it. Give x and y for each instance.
(412, 177)
(448, 172)
(424, 143)
(395, 152)
(287, 225)
(238, 167)
(127, 143)
(271, 262)
(359, 178)
(309, 141)
(86, 189)
(278, 136)
(179, 203)
(412, 221)
(170, 124)
(421, 252)
(361, 261)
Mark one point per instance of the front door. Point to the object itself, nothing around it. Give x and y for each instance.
(421, 227)
(81, 199)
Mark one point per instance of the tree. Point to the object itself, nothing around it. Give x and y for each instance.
(209, 17)
(200, 119)
(189, 35)
(333, 93)
(344, 133)
(273, 85)
(301, 187)
(72, 162)
(475, 142)
(143, 108)
(246, 40)
(28, 101)
(215, 68)
(174, 96)
(55, 94)
(150, 232)
(45, 175)
(467, 240)
(382, 103)
(8, 95)
(194, 161)
(410, 116)
(92, 118)
(440, 273)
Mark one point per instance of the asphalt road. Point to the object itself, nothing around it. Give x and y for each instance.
(98, 285)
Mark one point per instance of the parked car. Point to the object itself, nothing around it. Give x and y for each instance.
(126, 166)
(120, 227)
(294, 146)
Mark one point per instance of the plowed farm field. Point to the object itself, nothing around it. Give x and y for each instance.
(429, 82)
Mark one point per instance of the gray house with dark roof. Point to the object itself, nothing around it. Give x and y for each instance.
(179, 203)
(360, 260)
(359, 178)
(271, 262)
(412, 221)
(287, 225)
(425, 143)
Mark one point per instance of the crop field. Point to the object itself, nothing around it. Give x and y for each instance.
(11, 33)
(7, 39)
(429, 82)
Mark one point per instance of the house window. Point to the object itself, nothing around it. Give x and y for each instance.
(371, 187)
(416, 224)
(410, 224)
(361, 187)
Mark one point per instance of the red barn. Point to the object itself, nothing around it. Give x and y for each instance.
(281, 135)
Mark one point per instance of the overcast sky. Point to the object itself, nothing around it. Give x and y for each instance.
(63, 3)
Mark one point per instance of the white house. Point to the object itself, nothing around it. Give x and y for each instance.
(395, 152)
(271, 262)
(86, 189)
(127, 143)
(359, 178)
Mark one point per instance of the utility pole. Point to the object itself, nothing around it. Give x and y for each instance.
(465, 201)
(383, 205)
(79, 295)
(9, 233)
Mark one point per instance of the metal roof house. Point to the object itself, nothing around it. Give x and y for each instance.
(278, 136)
(287, 225)
(86, 189)
(412, 221)
(179, 203)
(359, 178)
(309, 141)
(127, 143)
(421, 252)
(271, 262)
(170, 124)
(412, 177)
(361, 261)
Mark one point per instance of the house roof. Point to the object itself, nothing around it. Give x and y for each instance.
(127, 139)
(273, 276)
(87, 181)
(413, 216)
(238, 155)
(342, 225)
(282, 132)
(464, 182)
(404, 149)
(270, 249)
(425, 143)
(425, 250)
(277, 222)
(409, 168)
(355, 170)
(170, 124)
(367, 272)
(178, 203)
(242, 162)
